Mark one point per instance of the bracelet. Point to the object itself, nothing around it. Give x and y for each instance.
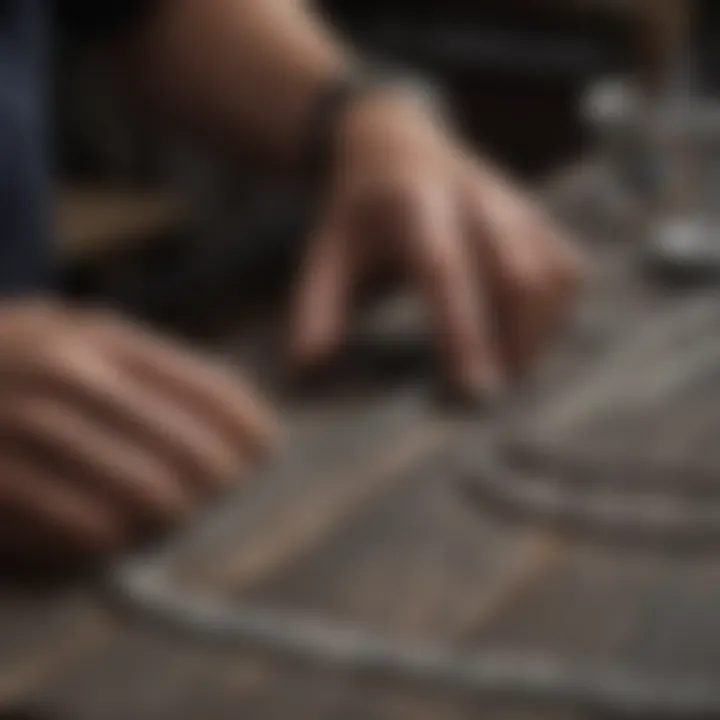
(341, 92)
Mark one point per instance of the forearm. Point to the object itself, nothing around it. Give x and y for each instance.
(245, 71)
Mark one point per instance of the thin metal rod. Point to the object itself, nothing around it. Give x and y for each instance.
(144, 586)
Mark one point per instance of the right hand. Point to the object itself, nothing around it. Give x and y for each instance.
(107, 431)
(496, 274)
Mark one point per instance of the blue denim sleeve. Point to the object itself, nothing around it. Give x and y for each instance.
(25, 259)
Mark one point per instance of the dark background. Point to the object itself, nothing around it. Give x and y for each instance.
(514, 71)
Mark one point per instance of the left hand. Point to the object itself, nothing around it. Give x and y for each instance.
(497, 275)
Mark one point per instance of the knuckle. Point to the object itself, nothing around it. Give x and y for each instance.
(58, 360)
(78, 367)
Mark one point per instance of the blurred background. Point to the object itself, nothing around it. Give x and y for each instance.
(368, 519)
(153, 220)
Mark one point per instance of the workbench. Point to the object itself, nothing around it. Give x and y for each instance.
(379, 517)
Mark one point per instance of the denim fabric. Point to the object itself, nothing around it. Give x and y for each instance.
(25, 251)
(24, 178)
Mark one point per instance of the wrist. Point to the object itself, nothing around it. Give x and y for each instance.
(385, 120)
(369, 114)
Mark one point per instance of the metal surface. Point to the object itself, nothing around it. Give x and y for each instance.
(628, 447)
(617, 690)
(547, 458)
(372, 570)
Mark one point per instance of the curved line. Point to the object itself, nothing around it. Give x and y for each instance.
(344, 647)
(646, 516)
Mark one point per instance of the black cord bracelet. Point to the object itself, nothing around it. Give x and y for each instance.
(340, 93)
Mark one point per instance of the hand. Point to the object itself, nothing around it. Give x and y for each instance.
(496, 274)
(107, 431)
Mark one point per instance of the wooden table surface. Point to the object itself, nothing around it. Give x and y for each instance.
(364, 521)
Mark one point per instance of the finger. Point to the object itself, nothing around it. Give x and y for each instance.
(510, 250)
(322, 297)
(204, 388)
(458, 306)
(107, 464)
(162, 427)
(543, 294)
(563, 273)
(528, 299)
(44, 501)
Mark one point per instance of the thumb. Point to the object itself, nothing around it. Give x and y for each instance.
(322, 296)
